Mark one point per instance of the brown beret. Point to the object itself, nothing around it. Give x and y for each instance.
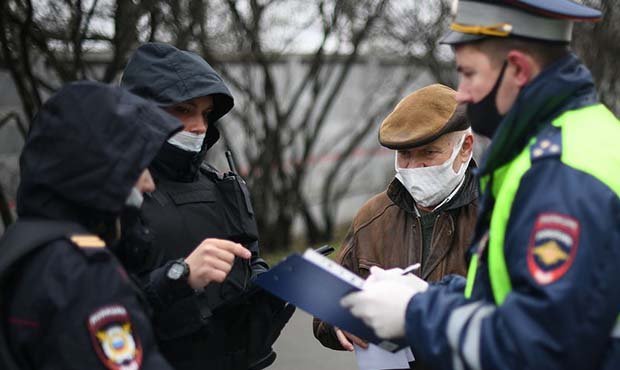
(422, 117)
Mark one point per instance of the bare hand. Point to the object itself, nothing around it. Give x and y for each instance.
(347, 340)
(212, 260)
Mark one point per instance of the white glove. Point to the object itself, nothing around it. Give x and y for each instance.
(396, 275)
(383, 303)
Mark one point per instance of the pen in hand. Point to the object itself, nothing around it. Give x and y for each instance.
(376, 271)
(411, 268)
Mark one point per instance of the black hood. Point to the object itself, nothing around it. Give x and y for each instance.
(86, 148)
(166, 75)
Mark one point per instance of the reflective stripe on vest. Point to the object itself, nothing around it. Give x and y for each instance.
(580, 129)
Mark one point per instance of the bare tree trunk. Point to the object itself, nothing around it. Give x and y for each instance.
(276, 235)
(599, 46)
(283, 119)
(5, 210)
(16, 54)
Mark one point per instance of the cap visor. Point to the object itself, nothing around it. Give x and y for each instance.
(454, 38)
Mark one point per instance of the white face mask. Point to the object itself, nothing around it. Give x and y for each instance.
(135, 198)
(187, 141)
(430, 186)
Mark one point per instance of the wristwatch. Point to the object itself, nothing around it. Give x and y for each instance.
(178, 271)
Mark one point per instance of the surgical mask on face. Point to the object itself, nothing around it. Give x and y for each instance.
(187, 141)
(483, 115)
(430, 186)
(135, 198)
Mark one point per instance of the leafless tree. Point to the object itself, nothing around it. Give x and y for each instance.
(285, 122)
(599, 46)
(282, 114)
(284, 128)
(47, 43)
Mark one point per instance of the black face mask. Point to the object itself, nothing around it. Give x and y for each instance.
(483, 115)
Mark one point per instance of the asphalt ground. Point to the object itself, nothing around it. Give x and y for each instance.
(297, 349)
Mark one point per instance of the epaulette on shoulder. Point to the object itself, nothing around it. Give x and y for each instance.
(205, 167)
(548, 145)
(89, 241)
(90, 245)
(210, 171)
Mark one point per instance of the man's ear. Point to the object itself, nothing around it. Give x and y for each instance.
(468, 146)
(524, 67)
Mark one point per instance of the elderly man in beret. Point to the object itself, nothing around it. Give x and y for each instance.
(427, 214)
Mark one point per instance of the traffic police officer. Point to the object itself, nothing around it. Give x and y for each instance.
(543, 289)
(65, 301)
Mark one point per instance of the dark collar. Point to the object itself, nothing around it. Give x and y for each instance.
(172, 163)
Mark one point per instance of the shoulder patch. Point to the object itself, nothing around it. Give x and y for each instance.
(113, 339)
(87, 241)
(548, 145)
(552, 247)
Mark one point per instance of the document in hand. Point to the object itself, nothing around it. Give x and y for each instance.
(316, 284)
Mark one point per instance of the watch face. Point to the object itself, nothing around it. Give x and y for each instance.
(175, 271)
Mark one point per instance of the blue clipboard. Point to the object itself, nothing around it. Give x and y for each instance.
(317, 288)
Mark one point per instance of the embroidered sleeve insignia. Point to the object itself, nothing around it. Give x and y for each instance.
(113, 339)
(552, 247)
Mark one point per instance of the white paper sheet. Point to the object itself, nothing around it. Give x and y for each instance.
(375, 358)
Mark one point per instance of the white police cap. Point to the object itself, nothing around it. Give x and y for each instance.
(546, 20)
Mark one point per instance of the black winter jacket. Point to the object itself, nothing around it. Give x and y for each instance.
(227, 326)
(67, 303)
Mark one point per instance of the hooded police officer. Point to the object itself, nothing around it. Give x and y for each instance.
(199, 323)
(66, 303)
(543, 289)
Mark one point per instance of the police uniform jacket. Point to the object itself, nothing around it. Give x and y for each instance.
(66, 302)
(548, 295)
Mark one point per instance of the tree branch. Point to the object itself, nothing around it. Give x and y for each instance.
(346, 69)
(25, 55)
(20, 124)
(5, 210)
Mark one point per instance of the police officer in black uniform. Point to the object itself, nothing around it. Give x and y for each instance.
(199, 324)
(65, 301)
